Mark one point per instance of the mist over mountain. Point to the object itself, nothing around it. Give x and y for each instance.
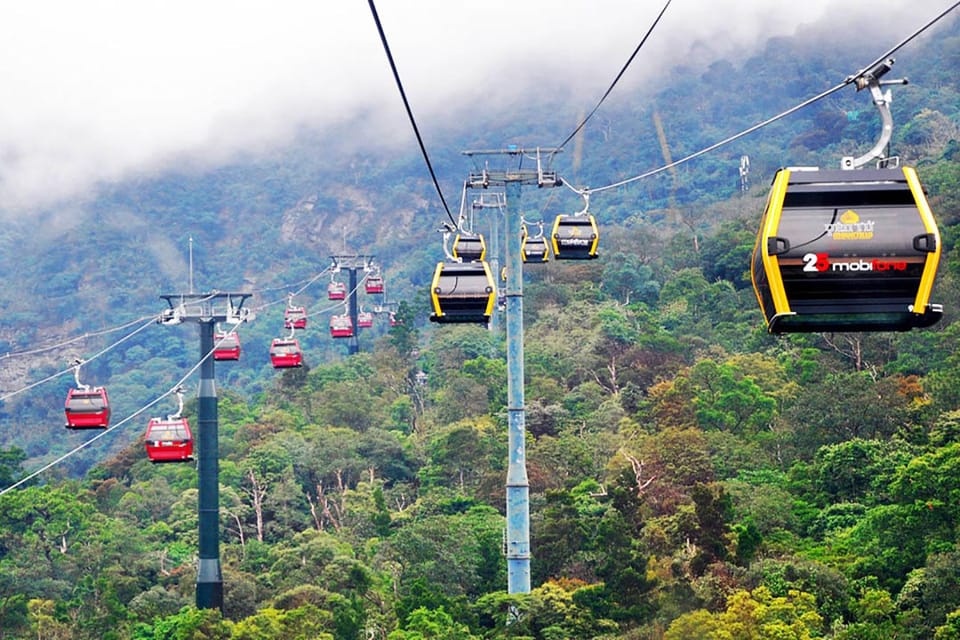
(272, 213)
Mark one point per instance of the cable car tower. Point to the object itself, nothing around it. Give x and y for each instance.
(518, 487)
(206, 310)
(353, 264)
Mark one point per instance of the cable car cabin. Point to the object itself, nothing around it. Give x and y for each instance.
(846, 250)
(394, 320)
(336, 291)
(341, 326)
(534, 250)
(169, 440)
(365, 319)
(295, 318)
(226, 346)
(469, 247)
(374, 284)
(575, 237)
(87, 408)
(285, 353)
(462, 292)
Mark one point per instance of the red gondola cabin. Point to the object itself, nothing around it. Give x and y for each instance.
(336, 291)
(374, 284)
(227, 346)
(169, 440)
(365, 319)
(341, 326)
(295, 318)
(285, 353)
(87, 408)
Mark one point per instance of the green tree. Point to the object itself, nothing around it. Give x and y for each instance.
(727, 400)
(628, 280)
(491, 373)
(846, 406)
(851, 471)
(928, 591)
(950, 630)
(459, 554)
(156, 602)
(700, 624)
(725, 255)
(754, 615)
(431, 624)
(627, 592)
(461, 454)
(188, 624)
(560, 609)
(559, 536)
(713, 510)
(404, 336)
(10, 460)
(44, 622)
(47, 522)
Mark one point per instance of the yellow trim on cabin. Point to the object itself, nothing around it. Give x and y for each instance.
(492, 298)
(433, 290)
(553, 236)
(771, 264)
(933, 258)
(596, 236)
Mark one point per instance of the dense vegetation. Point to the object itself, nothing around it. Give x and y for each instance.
(691, 475)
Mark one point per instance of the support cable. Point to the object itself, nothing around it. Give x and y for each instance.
(287, 286)
(151, 322)
(93, 334)
(310, 282)
(406, 104)
(615, 80)
(339, 303)
(902, 44)
(83, 445)
(848, 80)
(715, 145)
(306, 282)
(114, 427)
(266, 305)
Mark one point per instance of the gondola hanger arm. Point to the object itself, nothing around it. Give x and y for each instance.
(179, 413)
(76, 375)
(881, 99)
(585, 194)
(446, 246)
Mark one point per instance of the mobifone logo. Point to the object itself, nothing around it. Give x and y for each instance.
(820, 262)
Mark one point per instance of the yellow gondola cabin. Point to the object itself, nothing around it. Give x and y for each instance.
(846, 250)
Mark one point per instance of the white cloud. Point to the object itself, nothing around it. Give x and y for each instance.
(100, 89)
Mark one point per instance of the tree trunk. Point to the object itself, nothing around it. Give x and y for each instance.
(257, 492)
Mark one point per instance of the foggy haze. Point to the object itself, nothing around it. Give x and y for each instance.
(102, 90)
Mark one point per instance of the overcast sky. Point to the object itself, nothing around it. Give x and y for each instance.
(102, 90)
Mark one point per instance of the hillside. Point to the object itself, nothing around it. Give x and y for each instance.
(691, 475)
